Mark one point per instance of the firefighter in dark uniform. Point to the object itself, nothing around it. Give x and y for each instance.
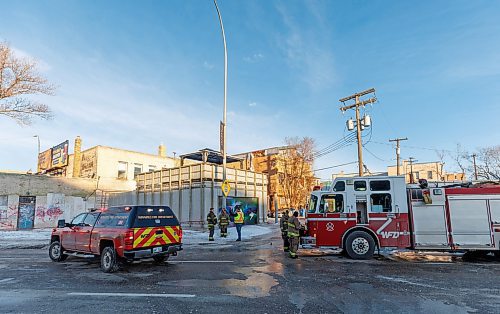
(293, 234)
(284, 230)
(223, 223)
(212, 221)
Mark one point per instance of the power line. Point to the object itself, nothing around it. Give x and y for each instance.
(342, 140)
(414, 147)
(336, 166)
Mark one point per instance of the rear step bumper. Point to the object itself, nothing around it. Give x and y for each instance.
(145, 253)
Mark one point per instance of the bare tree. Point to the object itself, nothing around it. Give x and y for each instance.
(488, 163)
(295, 170)
(19, 78)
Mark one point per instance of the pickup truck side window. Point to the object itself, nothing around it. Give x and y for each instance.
(90, 219)
(78, 219)
(112, 220)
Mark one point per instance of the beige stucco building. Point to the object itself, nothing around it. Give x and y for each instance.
(430, 171)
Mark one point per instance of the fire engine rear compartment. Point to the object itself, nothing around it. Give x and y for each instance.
(455, 219)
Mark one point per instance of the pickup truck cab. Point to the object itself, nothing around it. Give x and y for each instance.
(118, 234)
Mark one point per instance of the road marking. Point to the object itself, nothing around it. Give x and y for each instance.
(178, 262)
(132, 295)
(6, 279)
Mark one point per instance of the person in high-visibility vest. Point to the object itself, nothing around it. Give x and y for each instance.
(223, 222)
(284, 230)
(294, 234)
(212, 221)
(239, 219)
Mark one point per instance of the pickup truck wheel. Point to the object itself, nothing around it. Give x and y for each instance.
(159, 259)
(360, 245)
(56, 252)
(108, 260)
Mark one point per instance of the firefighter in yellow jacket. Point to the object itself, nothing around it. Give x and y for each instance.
(294, 234)
(212, 221)
(284, 230)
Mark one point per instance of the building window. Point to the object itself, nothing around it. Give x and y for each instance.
(416, 175)
(122, 170)
(152, 168)
(137, 169)
(429, 174)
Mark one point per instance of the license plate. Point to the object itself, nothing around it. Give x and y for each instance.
(157, 249)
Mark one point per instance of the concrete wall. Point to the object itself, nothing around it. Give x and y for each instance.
(26, 184)
(191, 204)
(48, 210)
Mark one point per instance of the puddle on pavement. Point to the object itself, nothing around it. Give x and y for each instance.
(256, 285)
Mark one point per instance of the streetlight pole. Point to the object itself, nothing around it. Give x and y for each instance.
(223, 136)
(37, 156)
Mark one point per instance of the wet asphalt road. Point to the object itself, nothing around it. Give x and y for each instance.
(248, 277)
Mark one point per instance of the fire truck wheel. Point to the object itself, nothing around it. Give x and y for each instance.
(56, 252)
(108, 260)
(359, 245)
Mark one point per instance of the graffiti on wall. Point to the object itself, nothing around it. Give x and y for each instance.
(52, 213)
(10, 215)
(26, 216)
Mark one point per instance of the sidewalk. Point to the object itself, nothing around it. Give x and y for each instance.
(39, 238)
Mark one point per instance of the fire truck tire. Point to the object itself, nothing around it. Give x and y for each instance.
(109, 262)
(359, 245)
(56, 252)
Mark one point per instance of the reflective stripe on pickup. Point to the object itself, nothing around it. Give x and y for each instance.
(153, 236)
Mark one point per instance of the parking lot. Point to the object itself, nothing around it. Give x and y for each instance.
(253, 276)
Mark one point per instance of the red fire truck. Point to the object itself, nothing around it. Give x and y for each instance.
(362, 214)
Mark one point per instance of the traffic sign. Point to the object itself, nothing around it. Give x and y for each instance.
(225, 188)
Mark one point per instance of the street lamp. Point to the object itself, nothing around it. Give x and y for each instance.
(37, 156)
(223, 128)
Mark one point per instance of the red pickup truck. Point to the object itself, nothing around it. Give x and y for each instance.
(118, 234)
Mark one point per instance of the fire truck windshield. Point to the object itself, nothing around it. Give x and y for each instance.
(312, 204)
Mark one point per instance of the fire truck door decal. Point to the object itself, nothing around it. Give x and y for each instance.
(330, 226)
(388, 234)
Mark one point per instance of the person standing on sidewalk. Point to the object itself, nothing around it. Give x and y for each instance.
(284, 230)
(294, 233)
(239, 219)
(223, 222)
(212, 221)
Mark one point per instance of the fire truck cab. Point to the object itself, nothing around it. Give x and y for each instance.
(362, 214)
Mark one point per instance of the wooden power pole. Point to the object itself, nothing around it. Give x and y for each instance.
(412, 160)
(356, 106)
(475, 167)
(398, 151)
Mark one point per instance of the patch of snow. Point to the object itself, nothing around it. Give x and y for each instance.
(38, 238)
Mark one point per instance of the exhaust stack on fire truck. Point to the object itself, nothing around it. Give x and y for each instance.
(362, 214)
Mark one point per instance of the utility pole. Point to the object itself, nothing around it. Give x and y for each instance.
(475, 168)
(223, 122)
(412, 179)
(360, 125)
(398, 151)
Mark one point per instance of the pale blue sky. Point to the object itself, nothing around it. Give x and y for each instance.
(132, 74)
